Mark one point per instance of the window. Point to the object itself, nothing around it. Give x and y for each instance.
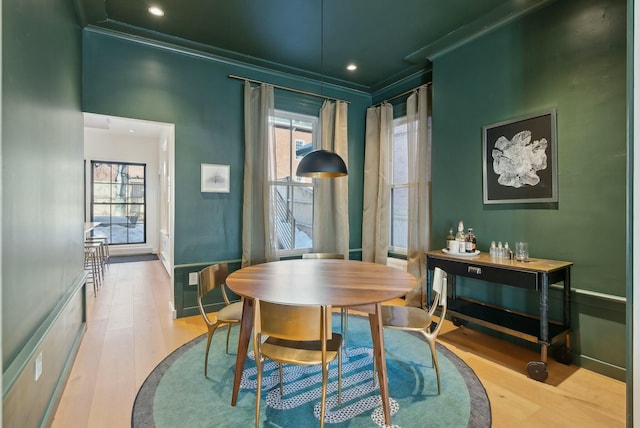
(118, 201)
(299, 145)
(294, 137)
(399, 187)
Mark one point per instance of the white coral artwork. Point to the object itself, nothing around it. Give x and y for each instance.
(517, 162)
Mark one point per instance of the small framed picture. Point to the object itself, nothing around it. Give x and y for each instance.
(214, 178)
(520, 161)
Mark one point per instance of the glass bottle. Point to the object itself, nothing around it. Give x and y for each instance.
(460, 237)
(470, 241)
(451, 240)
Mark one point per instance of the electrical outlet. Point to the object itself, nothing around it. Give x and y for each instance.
(38, 366)
(193, 278)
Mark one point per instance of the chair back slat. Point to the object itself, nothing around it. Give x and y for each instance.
(440, 300)
(438, 274)
(439, 280)
(212, 277)
(292, 322)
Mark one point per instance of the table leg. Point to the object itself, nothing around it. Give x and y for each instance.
(538, 369)
(377, 336)
(544, 317)
(243, 344)
(567, 315)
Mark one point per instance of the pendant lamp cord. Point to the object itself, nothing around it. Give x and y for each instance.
(321, 47)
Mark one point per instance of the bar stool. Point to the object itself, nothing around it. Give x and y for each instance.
(105, 239)
(91, 265)
(103, 251)
(99, 257)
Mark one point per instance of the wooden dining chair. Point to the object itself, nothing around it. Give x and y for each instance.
(299, 335)
(419, 320)
(344, 312)
(209, 279)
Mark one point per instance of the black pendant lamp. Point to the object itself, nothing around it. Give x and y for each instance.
(321, 164)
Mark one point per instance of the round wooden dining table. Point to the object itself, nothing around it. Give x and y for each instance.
(337, 283)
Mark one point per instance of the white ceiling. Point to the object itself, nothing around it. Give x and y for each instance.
(125, 126)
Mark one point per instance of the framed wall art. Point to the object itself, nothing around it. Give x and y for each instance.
(520, 160)
(214, 178)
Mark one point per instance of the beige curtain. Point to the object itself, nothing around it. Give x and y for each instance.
(419, 201)
(258, 229)
(376, 199)
(331, 196)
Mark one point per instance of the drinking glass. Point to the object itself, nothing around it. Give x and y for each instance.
(522, 251)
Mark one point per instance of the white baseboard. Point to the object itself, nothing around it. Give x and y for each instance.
(130, 250)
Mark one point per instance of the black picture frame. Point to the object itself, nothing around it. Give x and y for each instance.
(520, 160)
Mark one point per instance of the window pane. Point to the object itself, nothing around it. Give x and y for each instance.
(294, 217)
(400, 170)
(285, 222)
(101, 192)
(283, 151)
(303, 216)
(135, 223)
(101, 173)
(101, 210)
(299, 145)
(399, 205)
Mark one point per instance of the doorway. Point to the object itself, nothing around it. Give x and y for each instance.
(118, 140)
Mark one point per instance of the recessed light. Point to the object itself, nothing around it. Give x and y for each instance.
(352, 67)
(131, 131)
(154, 10)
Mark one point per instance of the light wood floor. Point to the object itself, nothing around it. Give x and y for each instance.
(130, 330)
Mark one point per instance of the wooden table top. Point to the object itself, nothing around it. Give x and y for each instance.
(321, 282)
(534, 264)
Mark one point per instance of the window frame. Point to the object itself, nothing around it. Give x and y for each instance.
(399, 121)
(93, 202)
(280, 114)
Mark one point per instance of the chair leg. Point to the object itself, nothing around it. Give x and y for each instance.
(434, 357)
(344, 325)
(339, 378)
(374, 373)
(258, 389)
(212, 329)
(88, 266)
(281, 379)
(323, 400)
(94, 269)
(228, 333)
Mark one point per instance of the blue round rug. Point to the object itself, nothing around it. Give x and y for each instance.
(176, 393)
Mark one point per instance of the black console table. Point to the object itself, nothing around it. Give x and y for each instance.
(535, 274)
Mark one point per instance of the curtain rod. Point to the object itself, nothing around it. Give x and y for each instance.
(313, 94)
(400, 95)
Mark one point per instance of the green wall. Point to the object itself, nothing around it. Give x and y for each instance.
(130, 79)
(42, 200)
(571, 56)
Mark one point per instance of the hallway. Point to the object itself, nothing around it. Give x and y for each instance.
(129, 331)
